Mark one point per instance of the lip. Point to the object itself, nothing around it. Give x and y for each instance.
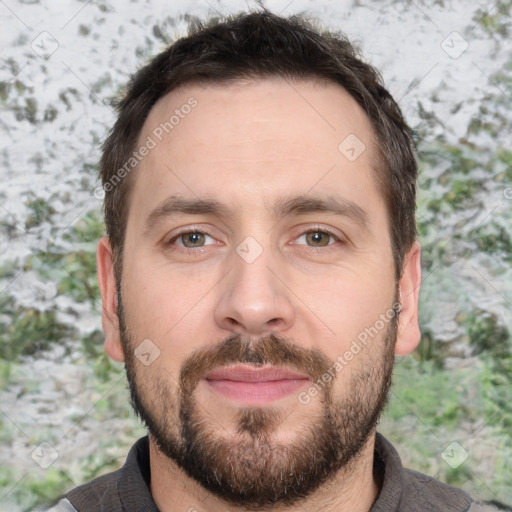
(255, 386)
(251, 374)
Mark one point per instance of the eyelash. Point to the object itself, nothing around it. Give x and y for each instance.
(206, 232)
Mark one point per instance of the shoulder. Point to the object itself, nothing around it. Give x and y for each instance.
(491, 506)
(406, 489)
(439, 494)
(91, 495)
(120, 490)
(434, 494)
(99, 490)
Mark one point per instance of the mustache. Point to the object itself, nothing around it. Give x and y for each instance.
(273, 349)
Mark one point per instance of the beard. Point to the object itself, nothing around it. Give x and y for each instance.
(252, 468)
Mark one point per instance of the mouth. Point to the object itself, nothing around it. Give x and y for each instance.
(255, 386)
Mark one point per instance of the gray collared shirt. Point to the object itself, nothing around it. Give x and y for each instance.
(403, 490)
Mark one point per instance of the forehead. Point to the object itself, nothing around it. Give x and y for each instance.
(328, 113)
(266, 135)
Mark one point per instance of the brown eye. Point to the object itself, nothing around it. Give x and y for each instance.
(318, 238)
(191, 239)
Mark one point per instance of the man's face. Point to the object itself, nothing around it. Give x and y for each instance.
(268, 283)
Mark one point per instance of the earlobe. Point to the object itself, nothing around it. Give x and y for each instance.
(408, 336)
(108, 290)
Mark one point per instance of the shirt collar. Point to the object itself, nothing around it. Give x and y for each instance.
(396, 494)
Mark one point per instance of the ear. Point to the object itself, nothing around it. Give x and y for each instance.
(408, 335)
(108, 290)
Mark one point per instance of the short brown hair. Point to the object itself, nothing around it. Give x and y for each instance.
(259, 45)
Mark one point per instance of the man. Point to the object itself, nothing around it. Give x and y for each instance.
(260, 272)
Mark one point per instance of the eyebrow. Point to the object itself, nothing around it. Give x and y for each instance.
(300, 205)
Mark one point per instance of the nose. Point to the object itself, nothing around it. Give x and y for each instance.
(254, 299)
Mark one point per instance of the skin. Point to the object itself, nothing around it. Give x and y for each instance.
(246, 145)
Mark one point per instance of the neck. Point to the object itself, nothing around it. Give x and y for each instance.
(354, 488)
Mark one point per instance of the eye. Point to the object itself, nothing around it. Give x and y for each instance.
(318, 237)
(191, 239)
(195, 239)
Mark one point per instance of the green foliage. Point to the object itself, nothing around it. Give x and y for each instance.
(33, 489)
(455, 188)
(92, 344)
(428, 407)
(497, 387)
(26, 331)
(104, 368)
(5, 373)
(461, 192)
(486, 335)
(493, 239)
(505, 156)
(8, 269)
(88, 229)
(458, 476)
(495, 20)
(74, 271)
(29, 332)
(80, 281)
(429, 349)
(41, 212)
(428, 392)
(54, 483)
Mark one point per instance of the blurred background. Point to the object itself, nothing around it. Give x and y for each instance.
(64, 407)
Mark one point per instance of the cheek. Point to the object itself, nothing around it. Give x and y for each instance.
(358, 313)
(349, 304)
(170, 310)
(160, 299)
